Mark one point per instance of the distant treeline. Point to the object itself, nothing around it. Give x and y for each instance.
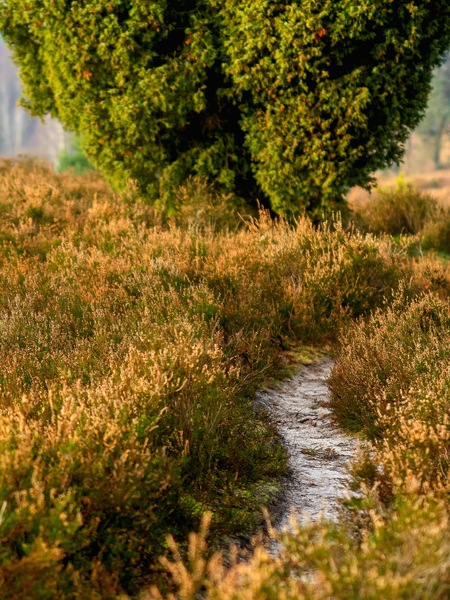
(20, 133)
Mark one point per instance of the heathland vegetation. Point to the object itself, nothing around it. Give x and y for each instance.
(391, 385)
(136, 326)
(131, 344)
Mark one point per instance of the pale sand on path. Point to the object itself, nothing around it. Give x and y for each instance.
(318, 450)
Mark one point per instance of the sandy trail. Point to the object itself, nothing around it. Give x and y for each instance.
(318, 450)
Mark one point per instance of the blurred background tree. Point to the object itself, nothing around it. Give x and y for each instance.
(19, 132)
(16, 127)
(436, 122)
(73, 158)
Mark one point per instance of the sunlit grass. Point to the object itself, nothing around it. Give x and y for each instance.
(131, 345)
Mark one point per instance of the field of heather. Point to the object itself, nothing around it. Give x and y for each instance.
(131, 348)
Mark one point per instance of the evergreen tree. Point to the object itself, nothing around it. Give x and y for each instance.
(291, 102)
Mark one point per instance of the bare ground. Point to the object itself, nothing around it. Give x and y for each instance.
(318, 450)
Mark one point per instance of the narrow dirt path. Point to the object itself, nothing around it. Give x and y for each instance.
(318, 450)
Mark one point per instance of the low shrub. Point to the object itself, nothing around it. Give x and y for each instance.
(401, 556)
(396, 210)
(380, 359)
(392, 382)
(436, 232)
(405, 210)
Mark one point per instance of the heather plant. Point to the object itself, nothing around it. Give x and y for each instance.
(397, 210)
(436, 231)
(400, 556)
(380, 359)
(130, 349)
(415, 451)
(391, 381)
(400, 395)
(405, 210)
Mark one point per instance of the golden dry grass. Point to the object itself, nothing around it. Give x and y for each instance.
(392, 381)
(130, 348)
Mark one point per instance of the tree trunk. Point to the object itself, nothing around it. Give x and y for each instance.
(438, 143)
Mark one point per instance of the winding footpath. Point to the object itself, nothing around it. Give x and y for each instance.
(318, 450)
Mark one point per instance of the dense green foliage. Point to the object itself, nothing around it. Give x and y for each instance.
(289, 102)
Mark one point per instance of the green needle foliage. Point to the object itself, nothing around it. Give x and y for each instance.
(289, 102)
